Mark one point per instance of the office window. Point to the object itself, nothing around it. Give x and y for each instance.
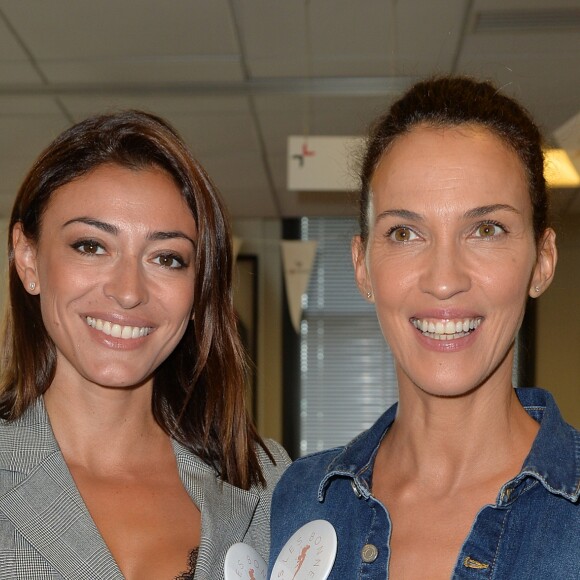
(347, 378)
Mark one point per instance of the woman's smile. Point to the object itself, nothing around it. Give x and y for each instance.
(446, 329)
(116, 330)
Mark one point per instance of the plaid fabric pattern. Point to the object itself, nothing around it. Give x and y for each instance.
(47, 533)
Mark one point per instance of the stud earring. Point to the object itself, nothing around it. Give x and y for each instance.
(537, 289)
(369, 294)
(32, 286)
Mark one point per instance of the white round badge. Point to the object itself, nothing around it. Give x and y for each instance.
(244, 563)
(308, 554)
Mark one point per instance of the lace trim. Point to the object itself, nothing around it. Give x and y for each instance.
(192, 562)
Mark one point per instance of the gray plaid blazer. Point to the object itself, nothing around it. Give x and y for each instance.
(46, 531)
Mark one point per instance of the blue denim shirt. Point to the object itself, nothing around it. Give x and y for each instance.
(531, 532)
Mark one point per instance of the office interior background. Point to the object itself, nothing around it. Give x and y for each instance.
(237, 78)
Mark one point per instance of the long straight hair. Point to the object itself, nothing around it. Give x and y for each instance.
(199, 393)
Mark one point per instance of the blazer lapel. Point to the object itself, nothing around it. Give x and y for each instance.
(226, 511)
(47, 510)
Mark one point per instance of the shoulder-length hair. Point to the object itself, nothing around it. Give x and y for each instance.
(199, 390)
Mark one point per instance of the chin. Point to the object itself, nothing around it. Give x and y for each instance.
(448, 387)
(449, 393)
(126, 381)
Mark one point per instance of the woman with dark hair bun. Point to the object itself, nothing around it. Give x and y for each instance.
(125, 447)
(466, 477)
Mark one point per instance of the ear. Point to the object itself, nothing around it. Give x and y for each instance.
(545, 264)
(361, 273)
(25, 259)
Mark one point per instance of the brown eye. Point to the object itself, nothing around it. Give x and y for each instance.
(170, 261)
(88, 247)
(402, 234)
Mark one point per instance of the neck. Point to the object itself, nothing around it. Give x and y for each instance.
(98, 426)
(448, 441)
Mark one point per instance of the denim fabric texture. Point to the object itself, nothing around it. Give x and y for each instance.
(531, 532)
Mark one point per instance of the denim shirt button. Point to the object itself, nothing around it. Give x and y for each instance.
(369, 553)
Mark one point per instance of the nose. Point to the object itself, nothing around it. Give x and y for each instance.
(445, 272)
(125, 283)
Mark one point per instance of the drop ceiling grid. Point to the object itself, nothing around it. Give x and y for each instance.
(142, 42)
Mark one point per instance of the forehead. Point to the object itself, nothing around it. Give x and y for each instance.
(112, 192)
(436, 165)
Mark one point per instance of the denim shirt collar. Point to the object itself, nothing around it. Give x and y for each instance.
(554, 459)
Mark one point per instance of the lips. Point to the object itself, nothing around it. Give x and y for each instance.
(115, 330)
(446, 329)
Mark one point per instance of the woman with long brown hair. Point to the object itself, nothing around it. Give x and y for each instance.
(125, 445)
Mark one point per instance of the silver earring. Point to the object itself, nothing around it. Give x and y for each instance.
(537, 289)
(32, 286)
(369, 294)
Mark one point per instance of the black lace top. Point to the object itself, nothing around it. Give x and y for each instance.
(192, 563)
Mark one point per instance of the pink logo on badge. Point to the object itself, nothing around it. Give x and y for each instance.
(308, 554)
(244, 563)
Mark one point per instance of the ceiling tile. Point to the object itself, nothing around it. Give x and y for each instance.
(10, 48)
(28, 106)
(64, 30)
(130, 41)
(15, 66)
(348, 38)
(242, 184)
(18, 73)
(22, 138)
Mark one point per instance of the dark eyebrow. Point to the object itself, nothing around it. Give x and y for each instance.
(476, 212)
(114, 230)
(484, 210)
(170, 236)
(401, 213)
(110, 229)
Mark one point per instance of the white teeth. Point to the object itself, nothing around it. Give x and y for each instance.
(448, 329)
(116, 330)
